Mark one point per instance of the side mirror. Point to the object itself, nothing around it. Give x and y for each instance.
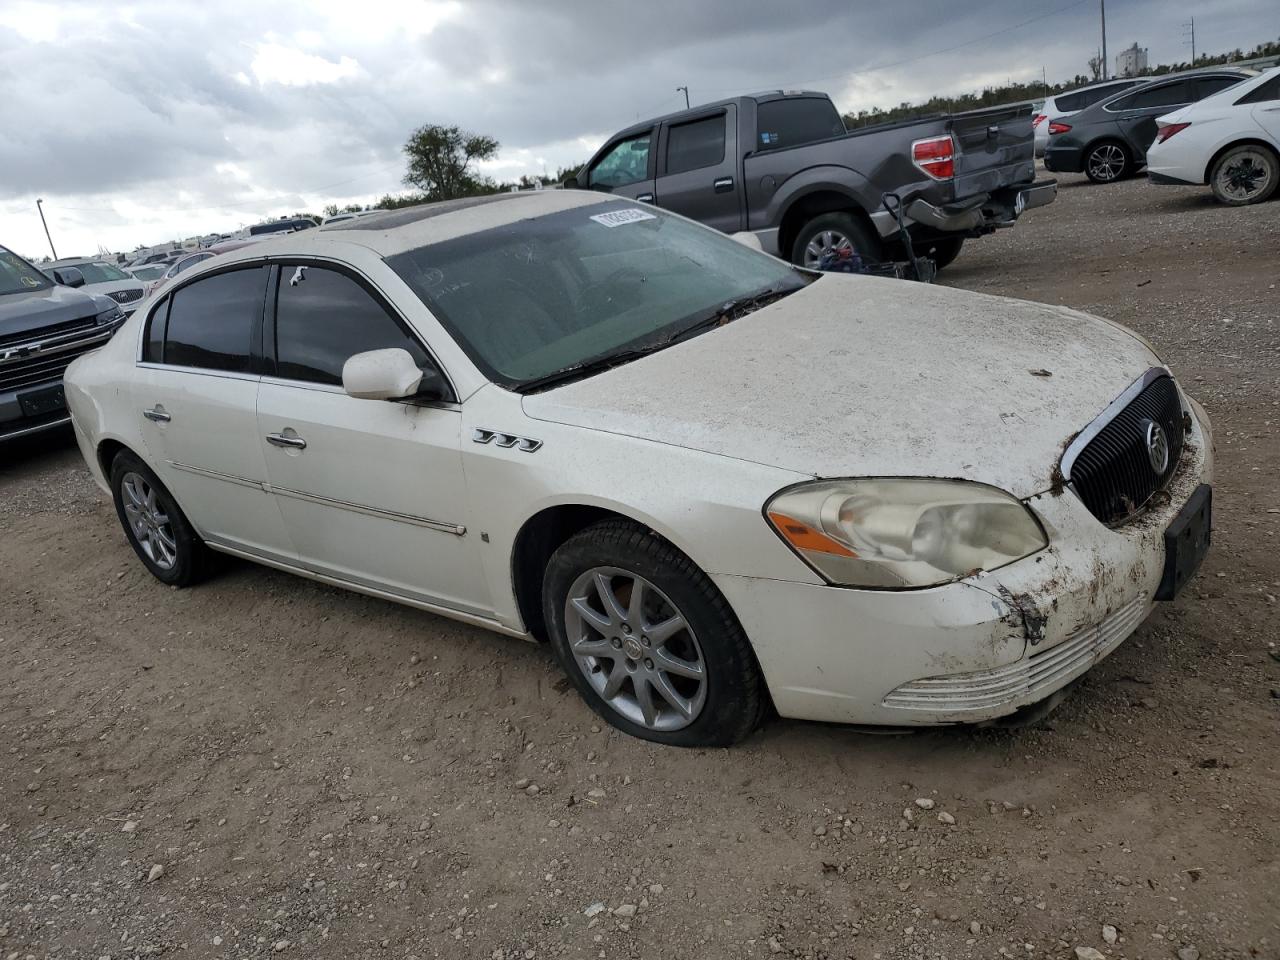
(748, 239)
(387, 374)
(570, 183)
(68, 276)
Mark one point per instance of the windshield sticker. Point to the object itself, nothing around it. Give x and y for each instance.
(616, 218)
(30, 281)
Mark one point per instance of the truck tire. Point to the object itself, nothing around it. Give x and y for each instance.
(944, 251)
(834, 230)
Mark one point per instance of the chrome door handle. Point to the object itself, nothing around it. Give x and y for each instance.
(280, 440)
(723, 185)
(157, 414)
(645, 198)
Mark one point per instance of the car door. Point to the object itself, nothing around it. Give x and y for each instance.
(195, 393)
(1265, 100)
(1136, 113)
(625, 167)
(371, 491)
(697, 169)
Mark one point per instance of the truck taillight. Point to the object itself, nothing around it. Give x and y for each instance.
(1057, 126)
(1039, 119)
(1168, 130)
(935, 156)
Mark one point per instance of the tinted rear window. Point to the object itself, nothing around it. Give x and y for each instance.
(211, 321)
(792, 122)
(1268, 91)
(1157, 95)
(1208, 86)
(696, 144)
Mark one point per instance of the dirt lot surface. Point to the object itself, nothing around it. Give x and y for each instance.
(265, 767)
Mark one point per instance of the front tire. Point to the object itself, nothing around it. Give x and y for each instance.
(648, 640)
(1249, 173)
(834, 232)
(155, 526)
(1108, 161)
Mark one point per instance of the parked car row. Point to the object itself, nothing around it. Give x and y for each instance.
(1226, 121)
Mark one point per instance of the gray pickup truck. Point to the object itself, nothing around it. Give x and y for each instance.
(783, 166)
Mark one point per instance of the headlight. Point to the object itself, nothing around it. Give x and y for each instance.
(899, 533)
(110, 315)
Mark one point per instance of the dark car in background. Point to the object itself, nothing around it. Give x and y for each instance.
(283, 225)
(1109, 140)
(45, 323)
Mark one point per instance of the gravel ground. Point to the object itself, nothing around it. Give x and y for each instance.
(263, 766)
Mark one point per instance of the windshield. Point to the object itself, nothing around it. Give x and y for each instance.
(99, 272)
(153, 272)
(542, 295)
(18, 276)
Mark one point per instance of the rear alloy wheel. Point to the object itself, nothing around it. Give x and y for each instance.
(157, 529)
(1107, 162)
(833, 234)
(648, 640)
(1246, 174)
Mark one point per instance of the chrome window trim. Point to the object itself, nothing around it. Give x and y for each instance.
(200, 371)
(442, 526)
(334, 388)
(1082, 438)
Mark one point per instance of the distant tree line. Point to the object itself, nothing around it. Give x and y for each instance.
(1020, 92)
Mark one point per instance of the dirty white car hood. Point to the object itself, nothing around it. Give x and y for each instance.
(859, 376)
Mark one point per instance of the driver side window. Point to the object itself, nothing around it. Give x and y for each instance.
(324, 317)
(626, 163)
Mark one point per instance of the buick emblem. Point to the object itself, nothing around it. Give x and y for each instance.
(1157, 447)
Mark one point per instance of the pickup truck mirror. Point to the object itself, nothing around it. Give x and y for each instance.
(570, 183)
(68, 276)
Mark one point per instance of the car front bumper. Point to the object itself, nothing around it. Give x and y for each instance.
(977, 649)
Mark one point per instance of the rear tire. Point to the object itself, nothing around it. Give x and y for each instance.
(834, 231)
(155, 525)
(1245, 174)
(1108, 161)
(675, 667)
(944, 252)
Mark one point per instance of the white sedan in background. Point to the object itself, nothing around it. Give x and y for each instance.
(1231, 141)
(713, 481)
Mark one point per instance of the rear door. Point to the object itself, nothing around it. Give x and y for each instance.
(195, 394)
(1266, 106)
(626, 167)
(1135, 114)
(697, 169)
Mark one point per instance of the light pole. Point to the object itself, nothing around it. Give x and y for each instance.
(685, 90)
(40, 207)
(1104, 39)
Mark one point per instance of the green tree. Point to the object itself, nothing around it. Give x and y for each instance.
(440, 158)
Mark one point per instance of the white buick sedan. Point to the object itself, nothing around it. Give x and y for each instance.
(715, 483)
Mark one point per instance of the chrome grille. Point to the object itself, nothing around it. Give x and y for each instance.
(43, 363)
(125, 296)
(1111, 470)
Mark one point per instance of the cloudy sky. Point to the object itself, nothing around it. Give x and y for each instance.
(141, 122)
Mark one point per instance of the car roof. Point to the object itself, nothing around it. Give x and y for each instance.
(390, 232)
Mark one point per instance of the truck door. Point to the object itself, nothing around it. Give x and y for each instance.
(698, 169)
(625, 167)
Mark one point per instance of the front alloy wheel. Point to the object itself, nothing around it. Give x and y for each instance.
(1106, 163)
(647, 639)
(635, 648)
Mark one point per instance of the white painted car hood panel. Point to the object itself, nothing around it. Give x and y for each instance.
(858, 376)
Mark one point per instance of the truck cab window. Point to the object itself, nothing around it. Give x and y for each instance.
(793, 121)
(626, 163)
(694, 145)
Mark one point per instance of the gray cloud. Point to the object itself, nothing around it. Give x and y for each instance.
(146, 120)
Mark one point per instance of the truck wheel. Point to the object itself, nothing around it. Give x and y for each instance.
(944, 251)
(834, 231)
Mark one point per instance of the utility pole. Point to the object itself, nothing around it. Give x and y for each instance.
(1189, 36)
(685, 90)
(1104, 39)
(1044, 81)
(40, 207)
